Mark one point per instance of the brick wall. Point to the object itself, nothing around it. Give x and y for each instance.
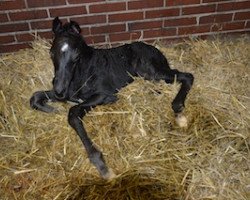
(118, 21)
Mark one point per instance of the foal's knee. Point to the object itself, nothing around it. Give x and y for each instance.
(73, 117)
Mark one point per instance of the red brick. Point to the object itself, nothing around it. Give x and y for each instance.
(198, 9)
(97, 19)
(239, 32)
(95, 39)
(13, 47)
(11, 5)
(125, 17)
(45, 34)
(85, 31)
(181, 2)
(229, 26)
(247, 25)
(233, 26)
(216, 18)
(24, 37)
(124, 36)
(84, 1)
(193, 29)
(162, 13)
(44, 3)
(209, 1)
(108, 29)
(233, 6)
(242, 15)
(107, 7)
(27, 15)
(145, 25)
(159, 33)
(3, 17)
(45, 24)
(13, 27)
(144, 4)
(180, 22)
(69, 11)
(7, 39)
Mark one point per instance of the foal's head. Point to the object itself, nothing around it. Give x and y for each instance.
(65, 54)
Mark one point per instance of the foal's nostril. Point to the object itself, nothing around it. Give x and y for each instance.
(60, 95)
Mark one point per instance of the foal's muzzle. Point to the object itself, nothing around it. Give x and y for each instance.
(60, 92)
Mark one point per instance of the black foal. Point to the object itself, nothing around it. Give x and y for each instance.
(91, 77)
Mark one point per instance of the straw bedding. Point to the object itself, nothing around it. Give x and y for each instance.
(41, 157)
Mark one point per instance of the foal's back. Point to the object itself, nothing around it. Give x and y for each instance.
(137, 59)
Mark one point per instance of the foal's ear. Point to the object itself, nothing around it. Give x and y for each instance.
(75, 27)
(57, 25)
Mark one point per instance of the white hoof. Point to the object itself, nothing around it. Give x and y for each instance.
(181, 121)
(109, 175)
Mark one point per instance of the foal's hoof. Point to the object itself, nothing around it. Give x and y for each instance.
(181, 120)
(109, 175)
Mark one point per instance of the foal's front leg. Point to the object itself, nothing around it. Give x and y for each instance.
(39, 101)
(76, 113)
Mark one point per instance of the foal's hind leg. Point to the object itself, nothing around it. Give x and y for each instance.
(178, 104)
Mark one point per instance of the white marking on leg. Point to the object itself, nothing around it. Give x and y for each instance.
(65, 47)
(109, 175)
(181, 121)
